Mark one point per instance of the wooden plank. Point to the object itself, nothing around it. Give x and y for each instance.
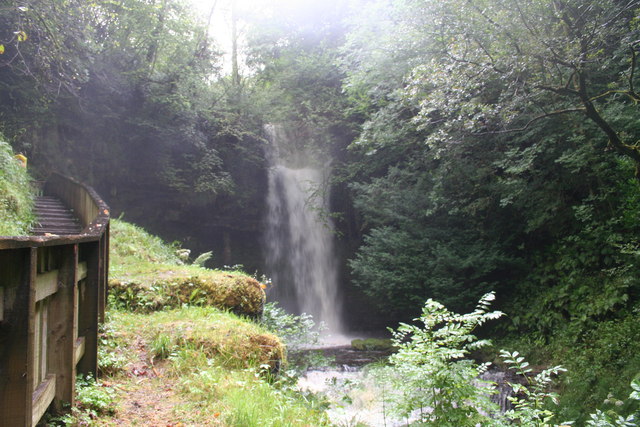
(62, 330)
(16, 352)
(46, 285)
(82, 270)
(37, 338)
(42, 398)
(44, 340)
(1, 303)
(88, 308)
(79, 349)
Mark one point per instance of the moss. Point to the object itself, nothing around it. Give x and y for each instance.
(231, 341)
(238, 293)
(382, 344)
(147, 275)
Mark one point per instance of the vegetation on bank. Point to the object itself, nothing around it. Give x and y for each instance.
(148, 275)
(189, 361)
(16, 194)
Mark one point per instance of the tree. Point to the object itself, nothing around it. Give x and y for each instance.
(501, 66)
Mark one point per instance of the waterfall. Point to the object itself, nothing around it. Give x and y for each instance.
(299, 237)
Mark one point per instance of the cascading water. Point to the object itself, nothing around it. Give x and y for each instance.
(299, 239)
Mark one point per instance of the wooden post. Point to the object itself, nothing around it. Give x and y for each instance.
(17, 345)
(62, 334)
(104, 274)
(88, 308)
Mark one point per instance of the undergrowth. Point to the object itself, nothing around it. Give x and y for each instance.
(16, 194)
(170, 326)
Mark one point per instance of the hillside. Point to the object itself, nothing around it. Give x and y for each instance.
(16, 194)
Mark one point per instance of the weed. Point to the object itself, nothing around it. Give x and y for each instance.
(162, 346)
(93, 400)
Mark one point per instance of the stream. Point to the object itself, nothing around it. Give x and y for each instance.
(353, 396)
(356, 398)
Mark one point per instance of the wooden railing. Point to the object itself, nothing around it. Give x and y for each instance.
(52, 299)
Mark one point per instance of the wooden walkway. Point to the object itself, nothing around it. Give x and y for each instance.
(54, 218)
(53, 289)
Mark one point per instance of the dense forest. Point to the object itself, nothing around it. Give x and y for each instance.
(475, 146)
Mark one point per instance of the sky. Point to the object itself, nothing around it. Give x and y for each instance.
(220, 28)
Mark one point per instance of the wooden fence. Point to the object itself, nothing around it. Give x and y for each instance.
(52, 299)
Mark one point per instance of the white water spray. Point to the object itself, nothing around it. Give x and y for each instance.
(299, 239)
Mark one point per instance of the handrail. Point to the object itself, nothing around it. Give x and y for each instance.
(85, 202)
(92, 211)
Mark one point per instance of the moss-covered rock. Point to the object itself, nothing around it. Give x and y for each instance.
(147, 275)
(233, 342)
(381, 344)
(238, 293)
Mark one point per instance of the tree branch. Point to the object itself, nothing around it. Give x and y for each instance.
(533, 120)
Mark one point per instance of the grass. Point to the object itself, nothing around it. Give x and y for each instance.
(193, 366)
(148, 275)
(185, 360)
(16, 195)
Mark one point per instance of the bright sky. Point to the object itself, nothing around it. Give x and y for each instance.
(220, 27)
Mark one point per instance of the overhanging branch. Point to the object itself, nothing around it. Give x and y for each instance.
(533, 120)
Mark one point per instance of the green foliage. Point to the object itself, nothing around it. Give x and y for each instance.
(529, 401)
(161, 346)
(611, 418)
(202, 258)
(431, 369)
(297, 332)
(148, 275)
(300, 335)
(132, 245)
(112, 350)
(372, 344)
(16, 194)
(94, 399)
(242, 398)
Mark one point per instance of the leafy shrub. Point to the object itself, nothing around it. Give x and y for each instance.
(111, 350)
(296, 331)
(435, 382)
(93, 399)
(430, 368)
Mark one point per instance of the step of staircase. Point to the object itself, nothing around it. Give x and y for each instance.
(53, 217)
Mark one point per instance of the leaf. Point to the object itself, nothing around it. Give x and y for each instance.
(1, 49)
(22, 36)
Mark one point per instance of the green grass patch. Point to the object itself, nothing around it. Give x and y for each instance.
(231, 340)
(179, 344)
(148, 275)
(220, 368)
(16, 195)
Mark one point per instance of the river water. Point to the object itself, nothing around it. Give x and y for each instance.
(356, 398)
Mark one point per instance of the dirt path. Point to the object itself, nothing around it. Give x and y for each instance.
(146, 395)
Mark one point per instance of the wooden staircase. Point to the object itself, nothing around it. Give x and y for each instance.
(54, 218)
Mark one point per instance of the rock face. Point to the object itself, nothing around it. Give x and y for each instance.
(241, 294)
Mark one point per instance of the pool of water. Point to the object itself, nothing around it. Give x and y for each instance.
(355, 398)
